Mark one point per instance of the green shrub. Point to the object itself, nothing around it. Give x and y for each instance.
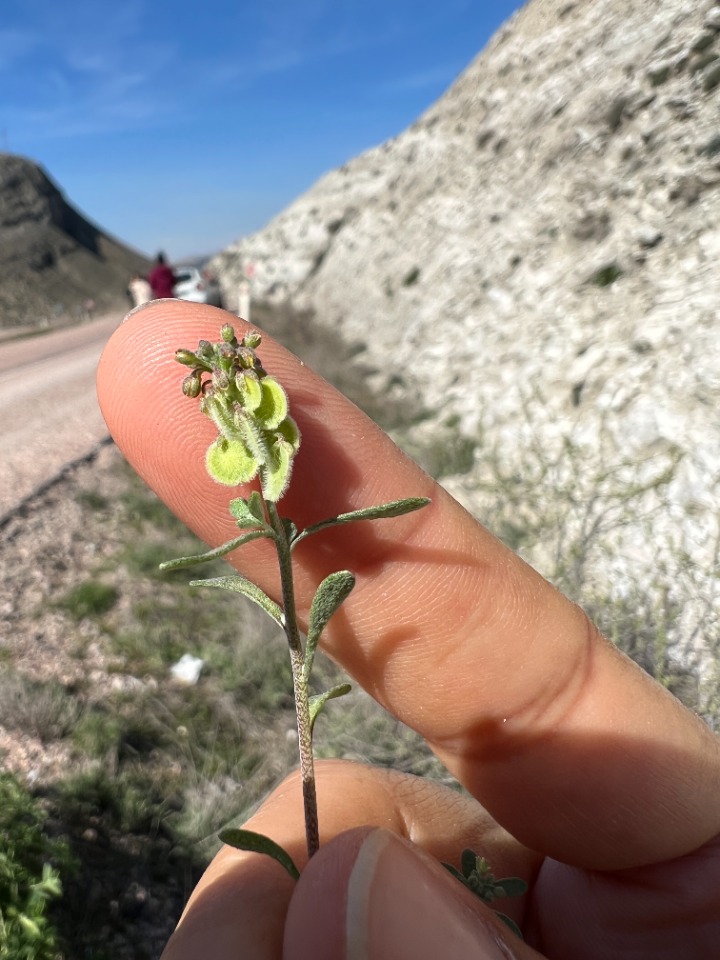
(90, 599)
(29, 876)
(412, 277)
(606, 276)
(46, 710)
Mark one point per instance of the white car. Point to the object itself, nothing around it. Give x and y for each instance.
(192, 283)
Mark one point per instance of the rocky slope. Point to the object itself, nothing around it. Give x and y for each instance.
(534, 263)
(52, 260)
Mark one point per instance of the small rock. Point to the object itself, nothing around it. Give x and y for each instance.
(614, 114)
(711, 147)
(702, 41)
(707, 59)
(712, 19)
(648, 236)
(680, 60)
(124, 683)
(711, 75)
(658, 72)
(683, 109)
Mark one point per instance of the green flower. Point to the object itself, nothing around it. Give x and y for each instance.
(256, 434)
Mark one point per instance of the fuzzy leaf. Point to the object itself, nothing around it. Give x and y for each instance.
(471, 863)
(248, 589)
(257, 843)
(245, 511)
(328, 597)
(510, 923)
(273, 408)
(396, 508)
(230, 462)
(318, 702)
(220, 551)
(30, 928)
(512, 886)
(289, 528)
(255, 504)
(455, 872)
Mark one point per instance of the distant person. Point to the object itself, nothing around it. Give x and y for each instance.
(161, 279)
(139, 290)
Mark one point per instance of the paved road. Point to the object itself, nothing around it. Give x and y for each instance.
(49, 415)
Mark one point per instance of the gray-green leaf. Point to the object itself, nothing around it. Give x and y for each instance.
(248, 589)
(328, 597)
(396, 508)
(512, 886)
(318, 702)
(245, 511)
(257, 843)
(220, 551)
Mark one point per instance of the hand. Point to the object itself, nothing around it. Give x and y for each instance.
(591, 781)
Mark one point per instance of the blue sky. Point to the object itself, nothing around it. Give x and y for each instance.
(183, 126)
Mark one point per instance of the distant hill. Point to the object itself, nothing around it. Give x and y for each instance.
(53, 260)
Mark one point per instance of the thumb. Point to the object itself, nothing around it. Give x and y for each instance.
(368, 895)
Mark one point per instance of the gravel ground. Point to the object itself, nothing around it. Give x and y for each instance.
(42, 548)
(130, 898)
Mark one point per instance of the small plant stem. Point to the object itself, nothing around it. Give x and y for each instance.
(300, 684)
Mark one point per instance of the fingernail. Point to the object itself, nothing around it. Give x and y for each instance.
(139, 309)
(401, 905)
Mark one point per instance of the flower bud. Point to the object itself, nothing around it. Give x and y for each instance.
(220, 380)
(227, 333)
(191, 385)
(246, 358)
(186, 357)
(252, 339)
(205, 349)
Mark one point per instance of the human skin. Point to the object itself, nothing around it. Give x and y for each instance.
(590, 780)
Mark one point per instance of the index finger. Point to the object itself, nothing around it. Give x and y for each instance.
(565, 741)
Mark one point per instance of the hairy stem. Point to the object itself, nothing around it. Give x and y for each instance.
(300, 683)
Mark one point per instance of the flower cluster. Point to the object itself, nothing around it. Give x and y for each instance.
(250, 409)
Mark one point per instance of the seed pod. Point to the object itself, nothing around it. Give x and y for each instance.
(273, 407)
(230, 462)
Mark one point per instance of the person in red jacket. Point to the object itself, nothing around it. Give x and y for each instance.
(161, 279)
